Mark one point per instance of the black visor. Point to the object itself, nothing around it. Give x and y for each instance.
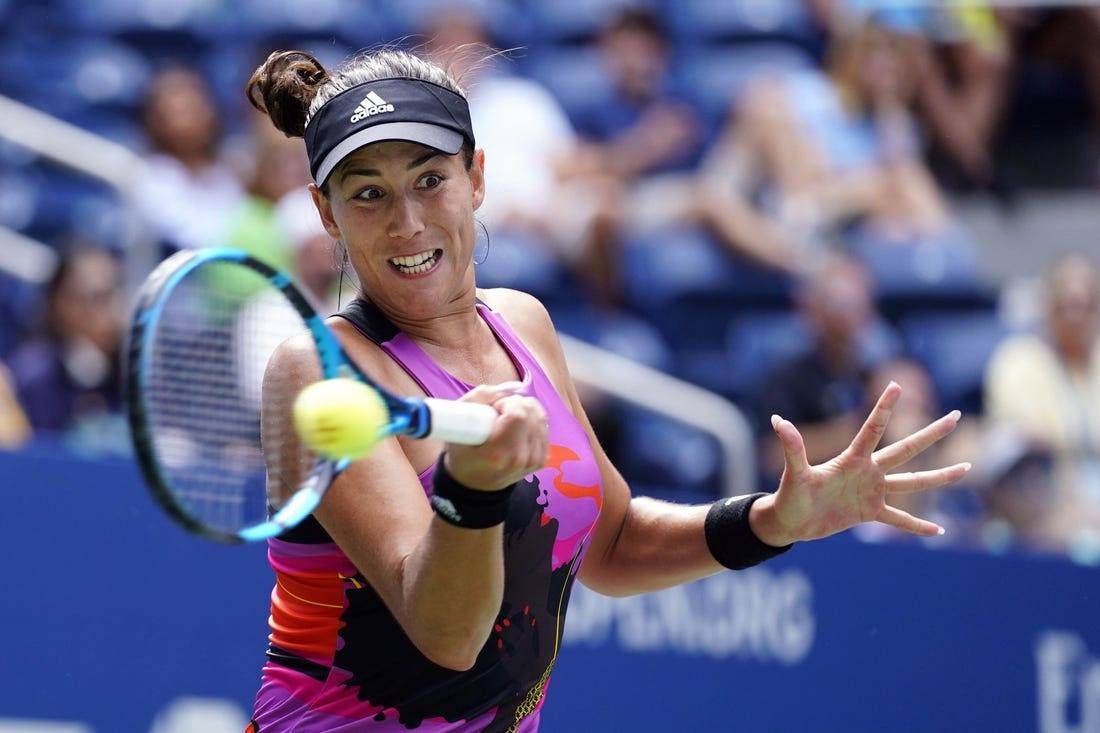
(387, 109)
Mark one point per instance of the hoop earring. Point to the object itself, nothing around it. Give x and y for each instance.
(485, 229)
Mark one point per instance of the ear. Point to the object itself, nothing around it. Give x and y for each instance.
(477, 178)
(324, 209)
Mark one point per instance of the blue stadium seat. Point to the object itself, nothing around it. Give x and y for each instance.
(689, 286)
(108, 17)
(757, 342)
(569, 21)
(573, 74)
(19, 302)
(44, 200)
(19, 196)
(68, 76)
(661, 452)
(351, 24)
(160, 31)
(508, 25)
(714, 76)
(955, 348)
(621, 333)
(523, 262)
(709, 21)
(922, 273)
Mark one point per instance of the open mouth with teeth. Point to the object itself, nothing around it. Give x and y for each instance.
(416, 264)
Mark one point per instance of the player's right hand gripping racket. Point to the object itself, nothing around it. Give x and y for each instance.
(203, 328)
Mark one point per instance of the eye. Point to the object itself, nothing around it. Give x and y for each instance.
(430, 180)
(369, 194)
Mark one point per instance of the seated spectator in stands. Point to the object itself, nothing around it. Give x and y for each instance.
(188, 190)
(1045, 384)
(67, 376)
(961, 57)
(824, 390)
(969, 57)
(956, 508)
(538, 188)
(642, 126)
(278, 167)
(650, 140)
(964, 83)
(1025, 508)
(838, 146)
(15, 430)
(1064, 37)
(314, 258)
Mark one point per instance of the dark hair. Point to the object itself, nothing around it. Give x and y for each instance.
(284, 86)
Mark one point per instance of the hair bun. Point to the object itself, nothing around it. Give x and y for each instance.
(283, 87)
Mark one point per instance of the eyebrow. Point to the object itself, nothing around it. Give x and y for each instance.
(412, 165)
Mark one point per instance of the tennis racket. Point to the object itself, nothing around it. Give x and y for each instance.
(204, 326)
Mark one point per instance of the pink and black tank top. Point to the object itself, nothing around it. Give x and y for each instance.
(338, 660)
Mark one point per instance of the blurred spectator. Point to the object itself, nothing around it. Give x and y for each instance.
(970, 59)
(642, 126)
(67, 376)
(278, 167)
(824, 390)
(14, 427)
(1046, 384)
(188, 191)
(1026, 509)
(957, 508)
(313, 253)
(833, 147)
(1065, 38)
(537, 189)
(650, 140)
(961, 60)
(964, 60)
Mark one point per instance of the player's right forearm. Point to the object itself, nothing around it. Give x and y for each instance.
(452, 586)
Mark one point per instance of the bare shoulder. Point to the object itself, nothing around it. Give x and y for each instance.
(524, 312)
(295, 359)
(530, 321)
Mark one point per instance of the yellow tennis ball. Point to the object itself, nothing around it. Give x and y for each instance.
(340, 418)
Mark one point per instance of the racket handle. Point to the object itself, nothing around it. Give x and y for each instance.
(469, 423)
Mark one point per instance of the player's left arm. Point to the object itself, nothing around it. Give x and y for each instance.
(643, 544)
(640, 544)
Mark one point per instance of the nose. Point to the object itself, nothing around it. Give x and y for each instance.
(406, 219)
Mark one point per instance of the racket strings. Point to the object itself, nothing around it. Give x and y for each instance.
(216, 333)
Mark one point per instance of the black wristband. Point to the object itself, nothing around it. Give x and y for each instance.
(465, 507)
(730, 538)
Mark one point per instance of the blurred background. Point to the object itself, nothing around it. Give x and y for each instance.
(731, 208)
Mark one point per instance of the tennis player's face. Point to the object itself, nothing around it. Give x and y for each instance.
(406, 214)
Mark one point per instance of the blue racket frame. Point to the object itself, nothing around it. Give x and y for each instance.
(407, 416)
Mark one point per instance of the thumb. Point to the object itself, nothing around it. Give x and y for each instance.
(794, 448)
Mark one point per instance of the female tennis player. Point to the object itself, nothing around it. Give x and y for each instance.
(428, 590)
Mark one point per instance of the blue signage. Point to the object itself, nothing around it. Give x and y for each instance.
(114, 620)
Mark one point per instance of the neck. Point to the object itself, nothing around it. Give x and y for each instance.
(452, 326)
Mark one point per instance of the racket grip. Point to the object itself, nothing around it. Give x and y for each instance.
(468, 423)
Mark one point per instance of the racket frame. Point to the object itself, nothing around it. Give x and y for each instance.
(408, 416)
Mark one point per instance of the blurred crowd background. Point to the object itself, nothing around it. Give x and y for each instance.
(786, 202)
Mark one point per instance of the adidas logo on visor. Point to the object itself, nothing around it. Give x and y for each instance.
(371, 105)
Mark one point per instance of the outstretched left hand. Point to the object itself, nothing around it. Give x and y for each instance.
(817, 501)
